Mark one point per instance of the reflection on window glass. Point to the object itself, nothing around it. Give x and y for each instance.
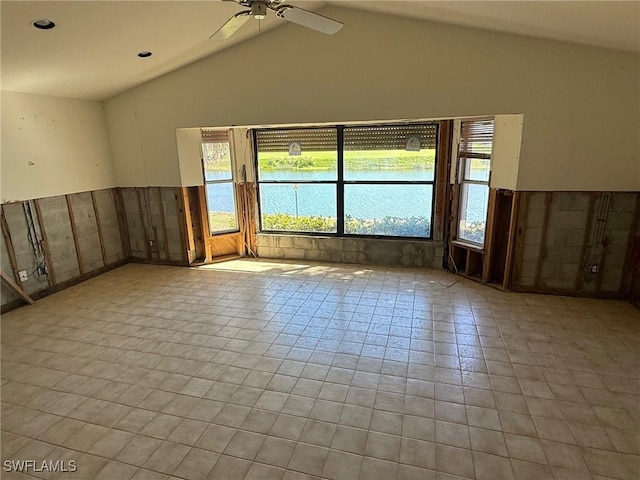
(302, 207)
(218, 175)
(374, 209)
(221, 200)
(297, 154)
(473, 212)
(385, 182)
(217, 161)
(389, 165)
(477, 169)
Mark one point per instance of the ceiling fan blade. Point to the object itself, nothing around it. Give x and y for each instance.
(233, 24)
(309, 19)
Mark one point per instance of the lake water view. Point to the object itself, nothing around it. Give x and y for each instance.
(365, 202)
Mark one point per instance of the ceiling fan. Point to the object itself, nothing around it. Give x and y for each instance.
(258, 10)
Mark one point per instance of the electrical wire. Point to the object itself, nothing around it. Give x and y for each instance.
(32, 238)
(453, 262)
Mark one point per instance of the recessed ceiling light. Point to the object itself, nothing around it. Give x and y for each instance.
(145, 54)
(44, 24)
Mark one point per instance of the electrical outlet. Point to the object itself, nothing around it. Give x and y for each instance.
(151, 243)
(594, 268)
(23, 275)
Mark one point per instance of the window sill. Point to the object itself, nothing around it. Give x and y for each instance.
(468, 245)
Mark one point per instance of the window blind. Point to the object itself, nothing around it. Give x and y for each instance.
(391, 137)
(310, 139)
(214, 136)
(476, 138)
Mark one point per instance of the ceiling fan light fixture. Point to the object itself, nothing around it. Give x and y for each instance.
(43, 24)
(259, 10)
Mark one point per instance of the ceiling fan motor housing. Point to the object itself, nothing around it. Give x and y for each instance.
(259, 10)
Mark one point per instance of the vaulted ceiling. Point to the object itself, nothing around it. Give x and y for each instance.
(92, 52)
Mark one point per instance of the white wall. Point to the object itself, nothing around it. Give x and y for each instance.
(53, 146)
(581, 104)
(505, 154)
(189, 142)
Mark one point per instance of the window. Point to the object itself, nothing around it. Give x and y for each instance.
(369, 180)
(298, 174)
(474, 168)
(388, 180)
(218, 177)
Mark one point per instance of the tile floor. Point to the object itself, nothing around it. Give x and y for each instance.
(284, 371)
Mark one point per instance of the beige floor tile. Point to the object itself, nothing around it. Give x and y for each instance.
(450, 412)
(84, 438)
(383, 446)
(387, 422)
(530, 471)
(89, 466)
(309, 459)
(232, 415)
(166, 458)
(490, 467)
(216, 438)
(196, 464)
(418, 453)
(245, 445)
(351, 415)
(408, 472)
(591, 436)
(316, 432)
(342, 466)
(488, 441)
(453, 434)
(419, 428)
(264, 472)
(138, 450)
(187, 432)
(517, 423)
(229, 468)
(111, 415)
(161, 426)
(180, 405)
(276, 451)
(612, 464)
(374, 469)
(111, 443)
(116, 470)
(144, 474)
(525, 448)
(136, 420)
(334, 371)
(509, 402)
(205, 410)
(564, 456)
(297, 405)
(454, 460)
(288, 426)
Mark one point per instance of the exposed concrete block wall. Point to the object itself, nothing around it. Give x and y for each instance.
(619, 221)
(87, 233)
(74, 236)
(574, 242)
(153, 224)
(26, 258)
(7, 294)
(60, 239)
(364, 251)
(134, 215)
(176, 248)
(112, 237)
